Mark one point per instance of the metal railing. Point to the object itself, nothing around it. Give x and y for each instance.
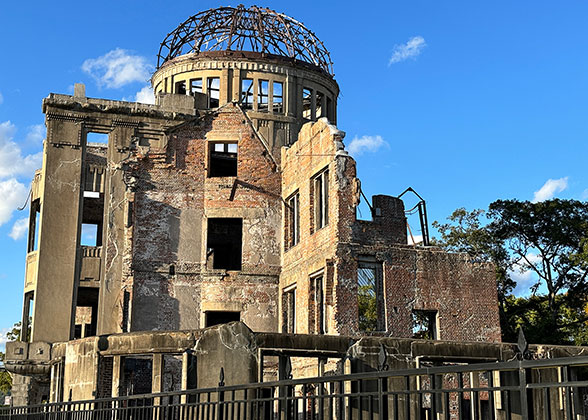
(519, 389)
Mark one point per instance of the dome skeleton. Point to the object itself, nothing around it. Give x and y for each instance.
(253, 29)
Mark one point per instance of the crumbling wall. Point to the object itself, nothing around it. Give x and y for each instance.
(173, 279)
(319, 148)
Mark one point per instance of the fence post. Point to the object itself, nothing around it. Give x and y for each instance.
(525, 395)
(221, 395)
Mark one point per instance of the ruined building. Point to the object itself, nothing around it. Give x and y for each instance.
(231, 199)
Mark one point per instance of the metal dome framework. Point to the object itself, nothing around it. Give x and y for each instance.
(254, 29)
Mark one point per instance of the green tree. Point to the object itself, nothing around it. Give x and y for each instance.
(548, 238)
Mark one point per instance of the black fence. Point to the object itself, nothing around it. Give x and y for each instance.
(537, 389)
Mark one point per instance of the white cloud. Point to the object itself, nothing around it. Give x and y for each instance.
(1, 98)
(117, 68)
(363, 144)
(550, 188)
(411, 49)
(12, 162)
(523, 276)
(36, 133)
(19, 229)
(584, 195)
(145, 96)
(13, 195)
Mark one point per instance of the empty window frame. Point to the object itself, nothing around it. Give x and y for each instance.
(94, 178)
(213, 91)
(320, 195)
(320, 105)
(307, 103)
(278, 98)
(262, 95)
(195, 86)
(224, 244)
(247, 93)
(293, 220)
(34, 217)
(222, 159)
(318, 308)
(330, 110)
(91, 235)
(289, 310)
(370, 300)
(96, 138)
(180, 88)
(424, 324)
(213, 318)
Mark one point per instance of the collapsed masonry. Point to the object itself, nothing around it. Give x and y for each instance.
(231, 199)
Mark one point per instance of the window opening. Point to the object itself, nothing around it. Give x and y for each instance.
(90, 235)
(321, 199)
(319, 309)
(262, 95)
(278, 98)
(225, 237)
(320, 111)
(330, 110)
(137, 375)
(223, 159)
(26, 322)
(96, 138)
(221, 317)
(293, 219)
(247, 93)
(195, 86)
(424, 324)
(94, 178)
(307, 103)
(34, 217)
(369, 297)
(86, 315)
(213, 91)
(181, 88)
(289, 310)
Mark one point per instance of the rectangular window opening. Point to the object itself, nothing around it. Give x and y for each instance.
(221, 317)
(289, 310)
(34, 217)
(225, 236)
(195, 86)
(180, 88)
(91, 235)
(320, 185)
(278, 98)
(247, 93)
(307, 103)
(263, 95)
(97, 139)
(293, 220)
(223, 159)
(137, 374)
(424, 324)
(319, 306)
(369, 296)
(320, 111)
(86, 315)
(213, 91)
(330, 110)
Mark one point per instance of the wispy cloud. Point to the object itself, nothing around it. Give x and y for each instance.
(35, 134)
(550, 188)
(117, 68)
(411, 49)
(418, 239)
(13, 195)
(12, 162)
(364, 144)
(1, 98)
(145, 95)
(19, 229)
(524, 277)
(584, 195)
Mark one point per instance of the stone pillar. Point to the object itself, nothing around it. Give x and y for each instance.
(116, 375)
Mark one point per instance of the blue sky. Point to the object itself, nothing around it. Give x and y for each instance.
(467, 102)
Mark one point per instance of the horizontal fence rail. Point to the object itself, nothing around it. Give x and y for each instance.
(538, 389)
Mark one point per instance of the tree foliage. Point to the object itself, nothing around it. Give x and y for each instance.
(549, 238)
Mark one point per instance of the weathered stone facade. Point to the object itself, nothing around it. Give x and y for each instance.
(219, 204)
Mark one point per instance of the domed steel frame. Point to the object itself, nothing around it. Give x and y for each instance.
(239, 29)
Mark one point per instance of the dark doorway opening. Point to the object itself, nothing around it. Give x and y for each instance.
(224, 242)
